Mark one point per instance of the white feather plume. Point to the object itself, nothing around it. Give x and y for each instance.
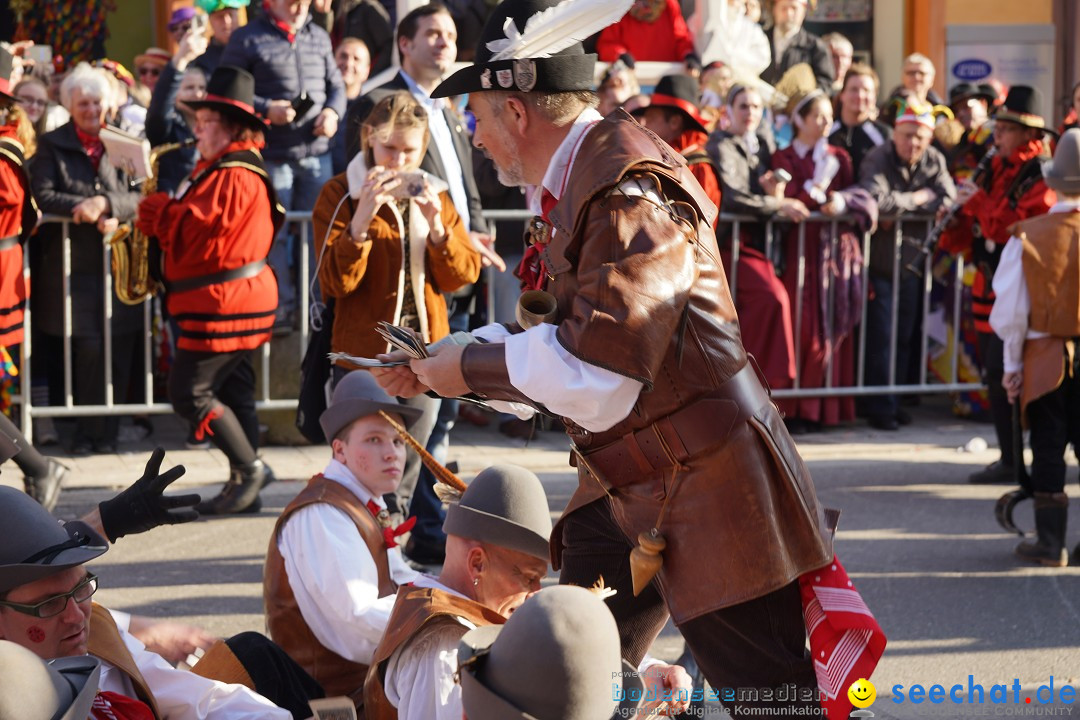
(557, 28)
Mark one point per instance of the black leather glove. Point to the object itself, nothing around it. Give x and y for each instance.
(143, 507)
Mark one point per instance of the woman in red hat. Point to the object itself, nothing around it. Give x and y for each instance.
(214, 237)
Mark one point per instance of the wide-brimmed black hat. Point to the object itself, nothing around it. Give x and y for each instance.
(531, 67)
(35, 545)
(231, 91)
(7, 61)
(966, 90)
(679, 92)
(1023, 106)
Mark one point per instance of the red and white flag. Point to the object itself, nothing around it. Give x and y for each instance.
(846, 641)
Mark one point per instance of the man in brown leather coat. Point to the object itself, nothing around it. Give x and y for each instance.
(673, 432)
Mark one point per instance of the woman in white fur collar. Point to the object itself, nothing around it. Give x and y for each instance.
(387, 236)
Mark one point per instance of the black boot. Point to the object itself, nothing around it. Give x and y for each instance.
(241, 492)
(1051, 516)
(46, 489)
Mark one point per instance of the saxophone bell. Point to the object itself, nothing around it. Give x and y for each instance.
(131, 247)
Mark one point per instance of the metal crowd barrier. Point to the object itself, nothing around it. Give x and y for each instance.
(302, 221)
(953, 384)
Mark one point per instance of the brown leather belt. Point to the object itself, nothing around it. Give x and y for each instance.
(703, 424)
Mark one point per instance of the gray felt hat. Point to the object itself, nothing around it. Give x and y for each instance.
(359, 395)
(556, 658)
(33, 689)
(504, 505)
(1062, 173)
(35, 545)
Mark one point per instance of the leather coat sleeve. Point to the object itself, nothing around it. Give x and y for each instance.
(635, 271)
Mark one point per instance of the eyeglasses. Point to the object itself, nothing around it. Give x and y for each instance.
(57, 603)
(32, 102)
(150, 71)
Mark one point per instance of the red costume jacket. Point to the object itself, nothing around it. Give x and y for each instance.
(666, 39)
(225, 219)
(18, 215)
(1005, 198)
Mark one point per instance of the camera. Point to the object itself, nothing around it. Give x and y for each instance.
(301, 104)
(412, 184)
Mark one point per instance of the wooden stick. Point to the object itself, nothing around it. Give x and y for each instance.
(437, 469)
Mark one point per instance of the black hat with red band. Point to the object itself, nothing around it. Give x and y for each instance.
(231, 92)
(679, 92)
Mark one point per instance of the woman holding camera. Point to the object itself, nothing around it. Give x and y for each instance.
(214, 236)
(388, 245)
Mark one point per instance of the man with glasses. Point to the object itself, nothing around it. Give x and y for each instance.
(45, 592)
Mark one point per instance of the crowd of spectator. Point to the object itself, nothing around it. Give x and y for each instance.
(775, 122)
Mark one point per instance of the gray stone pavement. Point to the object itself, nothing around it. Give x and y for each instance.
(920, 543)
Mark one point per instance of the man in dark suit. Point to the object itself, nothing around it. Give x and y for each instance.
(791, 45)
(427, 44)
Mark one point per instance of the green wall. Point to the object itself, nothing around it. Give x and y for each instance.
(131, 29)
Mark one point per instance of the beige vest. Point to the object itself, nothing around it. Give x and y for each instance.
(337, 675)
(1051, 262)
(414, 609)
(106, 644)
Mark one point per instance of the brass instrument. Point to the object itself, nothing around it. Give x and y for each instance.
(131, 248)
(535, 307)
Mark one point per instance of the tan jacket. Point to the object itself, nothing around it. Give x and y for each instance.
(367, 279)
(411, 617)
(1052, 273)
(641, 292)
(337, 675)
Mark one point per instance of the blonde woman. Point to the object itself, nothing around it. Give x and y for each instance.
(389, 245)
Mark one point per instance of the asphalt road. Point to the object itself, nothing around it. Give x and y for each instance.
(920, 543)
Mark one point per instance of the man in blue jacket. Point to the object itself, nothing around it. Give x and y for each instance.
(298, 89)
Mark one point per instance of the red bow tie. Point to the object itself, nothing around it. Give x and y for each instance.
(390, 534)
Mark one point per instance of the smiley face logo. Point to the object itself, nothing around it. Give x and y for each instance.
(862, 693)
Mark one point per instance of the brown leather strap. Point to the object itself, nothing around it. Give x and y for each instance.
(107, 644)
(677, 438)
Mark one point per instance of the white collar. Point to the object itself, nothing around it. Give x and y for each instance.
(339, 473)
(1064, 206)
(563, 160)
(422, 96)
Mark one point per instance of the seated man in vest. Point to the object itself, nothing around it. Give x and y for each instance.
(45, 606)
(333, 564)
(496, 556)
(556, 657)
